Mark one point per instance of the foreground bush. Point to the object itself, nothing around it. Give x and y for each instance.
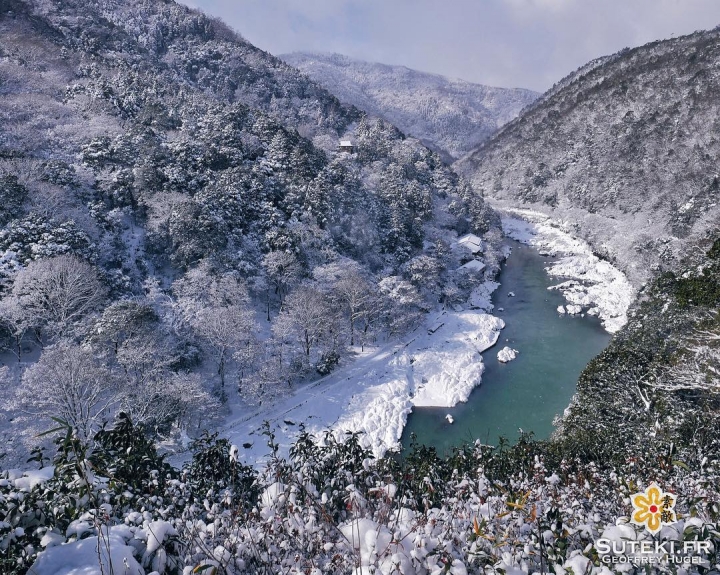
(115, 506)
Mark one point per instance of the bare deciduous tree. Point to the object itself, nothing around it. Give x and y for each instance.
(204, 288)
(217, 311)
(169, 397)
(358, 296)
(308, 319)
(69, 383)
(224, 329)
(150, 390)
(58, 291)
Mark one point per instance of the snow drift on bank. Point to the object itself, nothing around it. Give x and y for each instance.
(592, 285)
(374, 395)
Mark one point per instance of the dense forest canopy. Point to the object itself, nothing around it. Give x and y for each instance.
(178, 219)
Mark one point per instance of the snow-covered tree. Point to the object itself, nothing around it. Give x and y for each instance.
(227, 330)
(57, 292)
(69, 383)
(12, 196)
(403, 304)
(423, 271)
(309, 320)
(283, 270)
(352, 291)
(15, 321)
(217, 311)
(122, 321)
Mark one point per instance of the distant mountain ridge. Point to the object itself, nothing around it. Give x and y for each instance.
(626, 148)
(448, 115)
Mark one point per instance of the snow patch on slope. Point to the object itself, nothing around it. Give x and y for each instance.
(90, 556)
(594, 285)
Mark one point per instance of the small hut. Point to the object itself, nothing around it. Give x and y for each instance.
(346, 146)
(474, 266)
(472, 243)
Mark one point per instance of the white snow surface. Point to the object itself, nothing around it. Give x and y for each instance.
(157, 532)
(26, 479)
(591, 284)
(375, 393)
(87, 557)
(507, 354)
(481, 296)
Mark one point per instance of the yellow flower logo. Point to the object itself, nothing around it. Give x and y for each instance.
(653, 508)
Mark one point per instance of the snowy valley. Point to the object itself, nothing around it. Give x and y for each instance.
(226, 285)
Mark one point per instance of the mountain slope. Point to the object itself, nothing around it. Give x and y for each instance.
(624, 152)
(626, 149)
(194, 184)
(450, 116)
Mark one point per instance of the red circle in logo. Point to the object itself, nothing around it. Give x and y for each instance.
(653, 509)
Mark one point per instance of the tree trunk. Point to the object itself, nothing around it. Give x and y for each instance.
(221, 370)
(352, 329)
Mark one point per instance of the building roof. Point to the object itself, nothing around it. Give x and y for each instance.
(346, 144)
(471, 242)
(474, 265)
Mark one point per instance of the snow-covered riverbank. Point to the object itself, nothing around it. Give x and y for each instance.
(592, 285)
(439, 365)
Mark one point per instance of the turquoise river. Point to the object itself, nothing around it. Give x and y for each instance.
(530, 391)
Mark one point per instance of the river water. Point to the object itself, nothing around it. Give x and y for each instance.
(528, 392)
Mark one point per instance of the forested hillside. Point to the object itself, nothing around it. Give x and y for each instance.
(178, 224)
(625, 152)
(450, 116)
(626, 148)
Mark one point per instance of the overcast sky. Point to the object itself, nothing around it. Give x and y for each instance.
(510, 43)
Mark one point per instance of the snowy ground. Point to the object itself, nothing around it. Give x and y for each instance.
(376, 392)
(591, 285)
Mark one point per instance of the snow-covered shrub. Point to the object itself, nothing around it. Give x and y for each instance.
(327, 362)
(331, 508)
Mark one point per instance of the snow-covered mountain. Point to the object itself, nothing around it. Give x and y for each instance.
(448, 115)
(624, 152)
(193, 182)
(182, 237)
(625, 148)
